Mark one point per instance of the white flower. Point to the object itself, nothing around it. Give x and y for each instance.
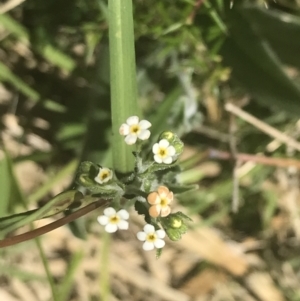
(163, 152)
(134, 129)
(104, 175)
(151, 238)
(113, 220)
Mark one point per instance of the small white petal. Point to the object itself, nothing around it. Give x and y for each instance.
(167, 160)
(155, 148)
(132, 120)
(109, 211)
(149, 229)
(147, 246)
(111, 228)
(144, 134)
(159, 243)
(97, 179)
(141, 236)
(157, 159)
(123, 225)
(164, 143)
(103, 220)
(171, 150)
(130, 139)
(160, 233)
(145, 124)
(123, 214)
(124, 129)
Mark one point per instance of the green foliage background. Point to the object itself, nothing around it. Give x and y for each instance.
(192, 57)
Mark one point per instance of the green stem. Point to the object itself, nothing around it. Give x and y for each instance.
(104, 283)
(122, 79)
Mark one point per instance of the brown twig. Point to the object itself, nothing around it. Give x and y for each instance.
(237, 163)
(9, 5)
(269, 130)
(279, 162)
(52, 226)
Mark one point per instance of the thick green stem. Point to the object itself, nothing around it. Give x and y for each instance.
(122, 79)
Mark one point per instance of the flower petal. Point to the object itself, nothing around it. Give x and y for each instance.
(130, 139)
(123, 225)
(159, 243)
(155, 148)
(124, 129)
(145, 124)
(111, 228)
(109, 211)
(123, 214)
(154, 211)
(132, 120)
(170, 196)
(164, 211)
(171, 150)
(161, 233)
(147, 246)
(167, 160)
(163, 143)
(103, 220)
(141, 236)
(162, 191)
(149, 229)
(144, 134)
(153, 198)
(158, 159)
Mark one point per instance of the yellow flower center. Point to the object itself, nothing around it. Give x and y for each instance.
(164, 202)
(162, 152)
(114, 219)
(151, 237)
(104, 175)
(134, 129)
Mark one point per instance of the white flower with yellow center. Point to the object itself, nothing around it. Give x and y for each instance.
(152, 239)
(133, 129)
(104, 175)
(113, 220)
(160, 202)
(163, 152)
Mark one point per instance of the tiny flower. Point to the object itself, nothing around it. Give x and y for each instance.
(163, 152)
(151, 238)
(104, 175)
(134, 129)
(113, 220)
(160, 201)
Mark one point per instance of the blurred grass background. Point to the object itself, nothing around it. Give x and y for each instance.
(192, 58)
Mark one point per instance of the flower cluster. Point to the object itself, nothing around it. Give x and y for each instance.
(146, 186)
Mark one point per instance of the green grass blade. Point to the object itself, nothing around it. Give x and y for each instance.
(56, 205)
(66, 284)
(122, 77)
(41, 192)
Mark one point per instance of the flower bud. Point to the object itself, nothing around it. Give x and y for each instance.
(175, 225)
(174, 140)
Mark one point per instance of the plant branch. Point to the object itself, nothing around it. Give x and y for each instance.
(271, 131)
(52, 226)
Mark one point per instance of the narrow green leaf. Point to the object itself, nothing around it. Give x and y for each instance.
(8, 76)
(123, 78)
(56, 205)
(281, 29)
(66, 284)
(43, 190)
(5, 184)
(257, 67)
(48, 51)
